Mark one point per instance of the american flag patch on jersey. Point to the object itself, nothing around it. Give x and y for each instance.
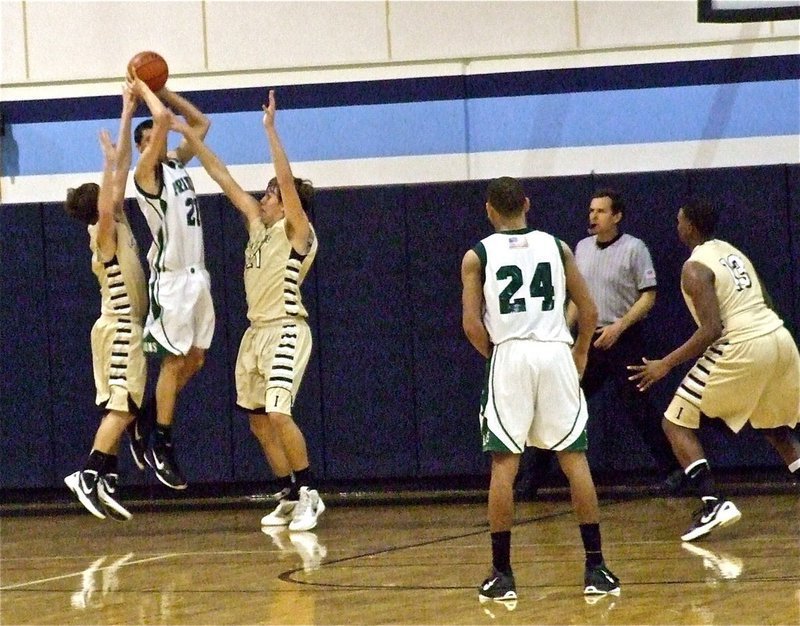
(517, 242)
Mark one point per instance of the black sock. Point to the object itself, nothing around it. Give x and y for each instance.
(162, 435)
(110, 464)
(501, 551)
(146, 420)
(590, 534)
(96, 461)
(303, 478)
(700, 477)
(287, 488)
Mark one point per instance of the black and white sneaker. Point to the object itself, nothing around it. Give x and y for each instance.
(600, 581)
(106, 490)
(714, 513)
(498, 587)
(84, 485)
(162, 459)
(137, 444)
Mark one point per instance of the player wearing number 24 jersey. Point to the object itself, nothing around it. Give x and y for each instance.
(516, 284)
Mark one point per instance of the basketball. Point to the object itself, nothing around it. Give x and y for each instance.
(151, 68)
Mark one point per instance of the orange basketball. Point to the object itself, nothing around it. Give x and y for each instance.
(151, 68)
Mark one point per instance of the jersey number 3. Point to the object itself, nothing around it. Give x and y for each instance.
(541, 287)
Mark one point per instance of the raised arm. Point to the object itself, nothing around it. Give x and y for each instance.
(242, 200)
(194, 118)
(106, 200)
(585, 309)
(145, 172)
(123, 152)
(298, 228)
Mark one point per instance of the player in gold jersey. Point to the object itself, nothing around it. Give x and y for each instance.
(747, 368)
(119, 364)
(275, 349)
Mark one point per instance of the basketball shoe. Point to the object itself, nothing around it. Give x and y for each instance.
(600, 581)
(106, 490)
(282, 515)
(498, 587)
(84, 485)
(137, 444)
(162, 460)
(714, 513)
(308, 509)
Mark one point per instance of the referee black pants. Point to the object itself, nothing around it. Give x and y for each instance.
(609, 368)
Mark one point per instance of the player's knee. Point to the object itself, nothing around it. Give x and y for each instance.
(278, 420)
(259, 425)
(196, 360)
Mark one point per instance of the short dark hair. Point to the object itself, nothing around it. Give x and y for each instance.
(138, 132)
(305, 189)
(617, 204)
(702, 215)
(81, 202)
(506, 196)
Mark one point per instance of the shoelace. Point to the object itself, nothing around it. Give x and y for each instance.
(303, 505)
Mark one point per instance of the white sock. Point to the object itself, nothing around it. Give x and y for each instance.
(793, 467)
(690, 467)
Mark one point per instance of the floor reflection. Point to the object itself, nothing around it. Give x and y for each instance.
(718, 565)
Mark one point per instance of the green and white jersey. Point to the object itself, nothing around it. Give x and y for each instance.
(524, 286)
(174, 219)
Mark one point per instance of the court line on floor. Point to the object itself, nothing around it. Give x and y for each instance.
(287, 575)
(80, 573)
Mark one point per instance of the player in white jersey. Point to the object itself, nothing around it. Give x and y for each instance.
(118, 360)
(747, 368)
(180, 322)
(516, 284)
(275, 350)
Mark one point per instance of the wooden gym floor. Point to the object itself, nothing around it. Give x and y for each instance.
(401, 563)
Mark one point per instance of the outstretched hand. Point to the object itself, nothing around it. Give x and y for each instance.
(108, 147)
(269, 110)
(649, 373)
(129, 99)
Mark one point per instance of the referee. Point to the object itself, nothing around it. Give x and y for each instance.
(621, 278)
(622, 281)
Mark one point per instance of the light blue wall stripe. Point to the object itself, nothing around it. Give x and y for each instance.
(495, 124)
(635, 116)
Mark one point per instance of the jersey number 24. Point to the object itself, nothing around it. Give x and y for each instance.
(541, 287)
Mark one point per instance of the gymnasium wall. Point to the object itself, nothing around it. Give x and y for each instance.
(399, 121)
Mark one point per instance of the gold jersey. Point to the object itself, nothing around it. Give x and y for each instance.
(744, 312)
(273, 273)
(123, 290)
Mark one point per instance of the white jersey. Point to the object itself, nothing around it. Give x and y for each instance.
(174, 219)
(524, 286)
